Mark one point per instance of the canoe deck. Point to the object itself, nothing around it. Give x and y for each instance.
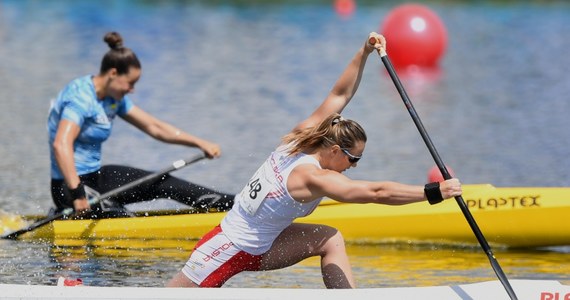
(525, 289)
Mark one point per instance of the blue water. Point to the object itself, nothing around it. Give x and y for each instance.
(244, 73)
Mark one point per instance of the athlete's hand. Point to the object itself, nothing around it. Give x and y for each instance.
(375, 41)
(211, 150)
(450, 188)
(81, 206)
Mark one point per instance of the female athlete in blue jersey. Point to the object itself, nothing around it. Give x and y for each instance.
(81, 119)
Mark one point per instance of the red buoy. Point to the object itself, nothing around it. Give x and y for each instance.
(415, 35)
(344, 8)
(434, 175)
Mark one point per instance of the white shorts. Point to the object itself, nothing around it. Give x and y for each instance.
(215, 259)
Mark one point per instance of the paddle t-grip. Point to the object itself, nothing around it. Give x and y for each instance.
(373, 41)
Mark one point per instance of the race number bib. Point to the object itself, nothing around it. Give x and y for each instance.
(258, 187)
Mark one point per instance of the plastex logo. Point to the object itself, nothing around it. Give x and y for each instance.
(554, 296)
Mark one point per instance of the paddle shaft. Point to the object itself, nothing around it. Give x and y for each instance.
(68, 211)
(443, 169)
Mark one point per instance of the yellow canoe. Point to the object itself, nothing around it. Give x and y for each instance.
(509, 216)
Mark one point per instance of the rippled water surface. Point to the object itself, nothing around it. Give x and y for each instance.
(139, 264)
(243, 74)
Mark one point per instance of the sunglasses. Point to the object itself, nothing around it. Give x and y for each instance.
(351, 158)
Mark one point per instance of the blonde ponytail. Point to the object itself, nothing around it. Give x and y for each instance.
(332, 130)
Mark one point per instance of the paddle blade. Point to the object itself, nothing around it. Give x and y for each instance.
(10, 222)
(14, 235)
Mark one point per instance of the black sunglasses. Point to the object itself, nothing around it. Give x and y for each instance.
(351, 158)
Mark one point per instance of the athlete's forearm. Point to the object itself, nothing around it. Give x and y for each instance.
(349, 80)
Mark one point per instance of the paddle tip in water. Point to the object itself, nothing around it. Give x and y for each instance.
(9, 223)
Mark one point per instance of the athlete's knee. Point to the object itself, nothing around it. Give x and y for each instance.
(334, 244)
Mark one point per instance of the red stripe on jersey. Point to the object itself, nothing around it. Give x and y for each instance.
(242, 261)
(208, 236)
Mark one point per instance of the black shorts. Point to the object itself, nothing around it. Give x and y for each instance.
(111, 177)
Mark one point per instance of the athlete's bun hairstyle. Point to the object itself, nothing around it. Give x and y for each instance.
(119, 57)
(114, 40)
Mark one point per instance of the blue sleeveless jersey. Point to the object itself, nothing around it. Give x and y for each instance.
(78, 103)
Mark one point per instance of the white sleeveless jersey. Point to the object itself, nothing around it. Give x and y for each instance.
(265, 208)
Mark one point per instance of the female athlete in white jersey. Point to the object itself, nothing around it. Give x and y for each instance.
(258, 233)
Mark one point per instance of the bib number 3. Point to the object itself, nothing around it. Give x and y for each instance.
(253, 194)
